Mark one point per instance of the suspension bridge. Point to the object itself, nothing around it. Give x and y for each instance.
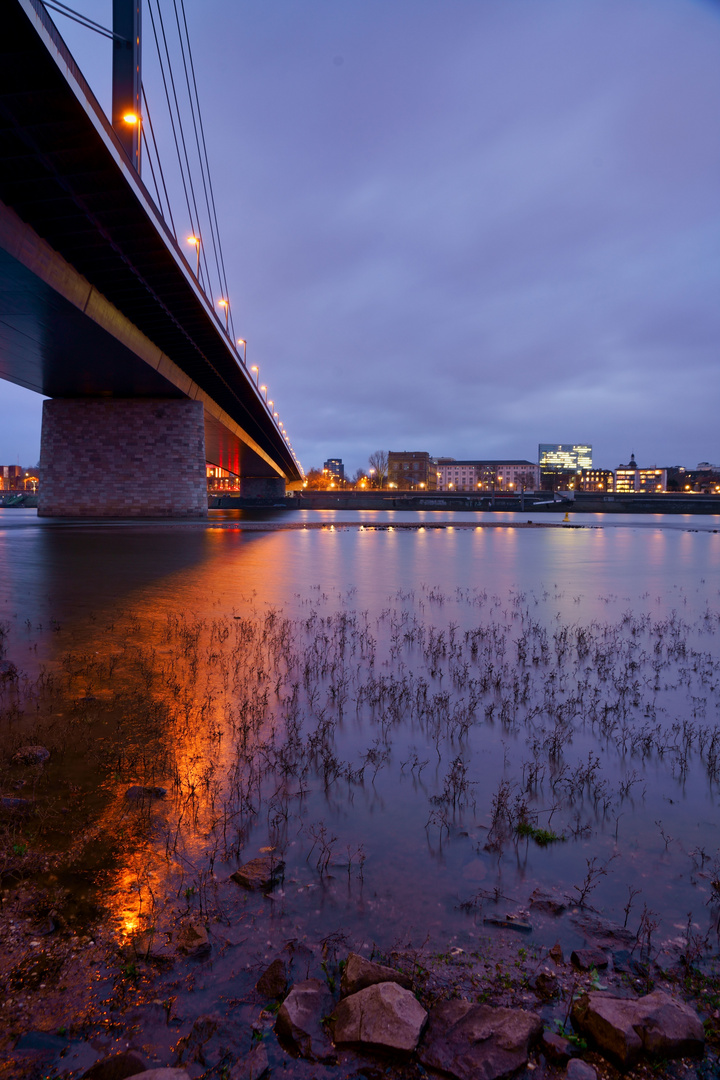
(104, 309)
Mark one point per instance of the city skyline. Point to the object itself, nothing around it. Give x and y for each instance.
(462, 233)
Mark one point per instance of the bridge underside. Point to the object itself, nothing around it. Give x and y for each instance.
(62, 338)
(97, 299)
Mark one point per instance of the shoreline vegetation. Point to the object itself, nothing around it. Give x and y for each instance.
(208, 819)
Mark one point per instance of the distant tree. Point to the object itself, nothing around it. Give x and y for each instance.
(360, 479)
(317, 479)
(379, 462)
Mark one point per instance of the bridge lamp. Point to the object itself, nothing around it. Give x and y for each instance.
(196, 241)
(243, 342)
(276, 415)
(263, 390)
(256, 369)
(225, 304)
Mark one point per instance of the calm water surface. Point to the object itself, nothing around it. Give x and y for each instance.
(384, 707)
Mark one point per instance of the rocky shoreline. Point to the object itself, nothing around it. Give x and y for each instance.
(79, 1006)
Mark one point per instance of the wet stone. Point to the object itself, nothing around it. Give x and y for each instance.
(255, 1065)
(360, 973)
(30, 755)
(549, 902)
(116, 1067)
(556, 1048)
(556, 953)
(260, 873)
(478, 1042)
(383, 1015)
(163, 1074)
(192, 940)
(584, 959)
(273, 981)
(546, 985)
(299, 1021)
(580, 1070)
(626, 1029)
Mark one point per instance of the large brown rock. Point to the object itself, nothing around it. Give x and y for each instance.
(360, 973)
(625, 1029)
(299, 1021)
(260, 873)
(383, 1015)
(116, 1067)
(478, 1042)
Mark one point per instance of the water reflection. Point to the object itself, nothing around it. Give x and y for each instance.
(364, 695)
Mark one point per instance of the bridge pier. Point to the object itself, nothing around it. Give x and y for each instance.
(117, 457)
(262, 487)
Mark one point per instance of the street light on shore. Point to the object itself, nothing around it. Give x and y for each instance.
(196, 241)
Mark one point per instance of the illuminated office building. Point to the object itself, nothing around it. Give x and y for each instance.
(564, 457)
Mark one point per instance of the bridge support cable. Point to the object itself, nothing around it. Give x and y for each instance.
(194, 100)
(191, 197)
(194, 221)
(151, 140)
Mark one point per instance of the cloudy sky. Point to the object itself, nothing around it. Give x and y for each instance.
(461, 226)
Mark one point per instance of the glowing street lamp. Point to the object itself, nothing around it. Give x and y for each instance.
(133, 119)
(224, 303)
(195, 240)
(243, 342)
(263, 390)
(256, 369)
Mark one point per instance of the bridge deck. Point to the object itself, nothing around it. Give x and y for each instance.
(96, 296)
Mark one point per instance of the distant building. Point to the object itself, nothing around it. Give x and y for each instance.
(10, 477)
(411, 470)
(514, 474)
(564, 457)
(335, 466)
(630, 478)
(596, 480)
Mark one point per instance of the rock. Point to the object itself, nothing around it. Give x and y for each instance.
(546, 985)
(150, 947)
(625, 1029)
(273, 981)
(116, 1067)
(478, 1042)
(584, 959)
(360, 973)
(580, 1070)
(556, 953)
(556, 1048)
(509, 922)
(300, 1018)
(12, 804)
(142, 793)
(162, 1074)
(382, 1015)
(549, 902)
(260, 873)
(30, 755)
(254, 1066)
(192, 940)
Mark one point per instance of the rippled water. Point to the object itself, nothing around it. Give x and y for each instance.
(382, 707)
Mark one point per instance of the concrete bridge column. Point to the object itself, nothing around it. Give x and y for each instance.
(116, 457)
(262, 487)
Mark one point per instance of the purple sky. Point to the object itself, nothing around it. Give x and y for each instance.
(460, 226)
